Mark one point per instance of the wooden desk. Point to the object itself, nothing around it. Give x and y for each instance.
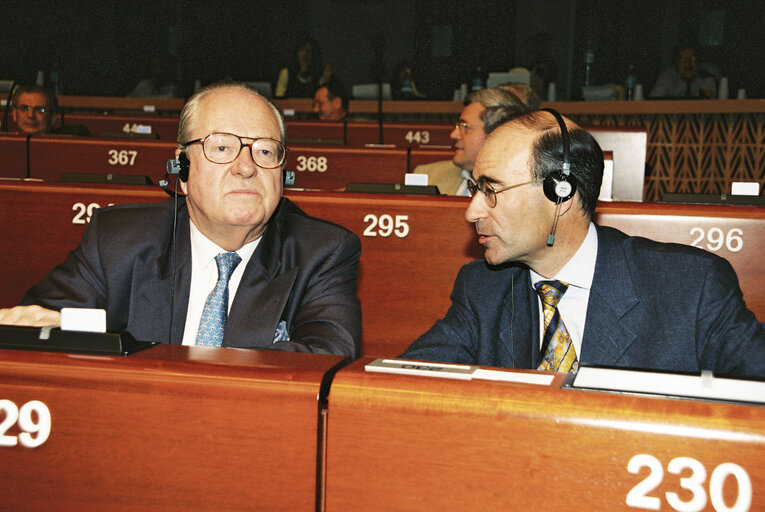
(50, 156)
(412, 247)
(315, 132)
(168, 428)
(333, 167)
(402, 135)
(13, 155)
(165, 127)
(409, 443)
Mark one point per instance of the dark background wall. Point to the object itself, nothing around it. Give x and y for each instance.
(104, 47)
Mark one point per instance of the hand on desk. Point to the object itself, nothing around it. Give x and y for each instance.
(34, 316)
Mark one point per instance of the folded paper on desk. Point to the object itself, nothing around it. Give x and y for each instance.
(704, 386)
(456, 371)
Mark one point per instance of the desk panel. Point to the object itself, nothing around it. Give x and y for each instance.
(13, 155)
(332, 168)
(409, 443)
(168, 428)
(166, 128)
(402, 135)
(315, 132)
(51, 156)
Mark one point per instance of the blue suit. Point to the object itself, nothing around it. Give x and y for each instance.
(652, 306)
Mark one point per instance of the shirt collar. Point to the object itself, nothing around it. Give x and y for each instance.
(205, 250)
(580, 269)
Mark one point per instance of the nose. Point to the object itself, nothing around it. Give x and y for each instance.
(316, 107)
(244, 165)
(477, 208)
(455, 134)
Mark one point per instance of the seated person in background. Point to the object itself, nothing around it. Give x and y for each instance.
(330, 101)
(243, 268)
(451, 176)
(307, 72)
(524, 92)
(156, 85)
(685, 79)
(624, 301)
(33, 107)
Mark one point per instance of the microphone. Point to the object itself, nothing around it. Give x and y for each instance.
(551, 236)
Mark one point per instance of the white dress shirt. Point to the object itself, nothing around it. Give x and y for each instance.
(204, 275)
(578, 273)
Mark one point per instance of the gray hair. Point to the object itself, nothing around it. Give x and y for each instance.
(501, 106)
(190, 108)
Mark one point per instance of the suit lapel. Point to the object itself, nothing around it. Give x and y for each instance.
(263, 291)
(161, 288)
(613, 308)
(517, 332)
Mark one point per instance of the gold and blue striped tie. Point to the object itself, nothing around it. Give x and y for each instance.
(558, 350)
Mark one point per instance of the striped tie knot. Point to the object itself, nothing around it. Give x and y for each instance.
(551, 291)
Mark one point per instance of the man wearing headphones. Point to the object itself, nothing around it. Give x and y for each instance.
(232, 264)
(556, 291)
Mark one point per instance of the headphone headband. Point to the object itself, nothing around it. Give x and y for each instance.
(564, 135)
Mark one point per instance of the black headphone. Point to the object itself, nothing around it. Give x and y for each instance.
(559, 185)
(180, 166)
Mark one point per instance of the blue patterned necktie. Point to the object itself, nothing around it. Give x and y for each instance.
(559, 352)
(213, 321)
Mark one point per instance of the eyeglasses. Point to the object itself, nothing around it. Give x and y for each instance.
(26, 108)
(463, 126)
(224, 148)
(489, 194)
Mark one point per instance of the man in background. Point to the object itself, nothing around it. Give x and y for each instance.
(686, 78)
(32, 108)
(330, 101)
(469, 134)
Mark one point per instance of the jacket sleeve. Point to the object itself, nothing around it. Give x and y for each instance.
(730, 341)
(327, 318)
(452, 339)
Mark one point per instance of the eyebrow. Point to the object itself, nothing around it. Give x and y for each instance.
(488, 180)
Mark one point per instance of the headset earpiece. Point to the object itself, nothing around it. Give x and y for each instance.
(183, 172)
(560, 185)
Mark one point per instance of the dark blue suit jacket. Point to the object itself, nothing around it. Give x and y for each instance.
(301, 279)
(653, 306)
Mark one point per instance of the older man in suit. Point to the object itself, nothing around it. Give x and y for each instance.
(556, 291)
(233, 264)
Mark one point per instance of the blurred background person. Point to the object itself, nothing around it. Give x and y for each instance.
(493, 106)
(157, 84)
(32, 109)
(330, 101)
(685, 78)
(307, 72)
(524, 92)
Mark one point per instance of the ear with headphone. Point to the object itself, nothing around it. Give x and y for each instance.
(559, 185)
(180, 166)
